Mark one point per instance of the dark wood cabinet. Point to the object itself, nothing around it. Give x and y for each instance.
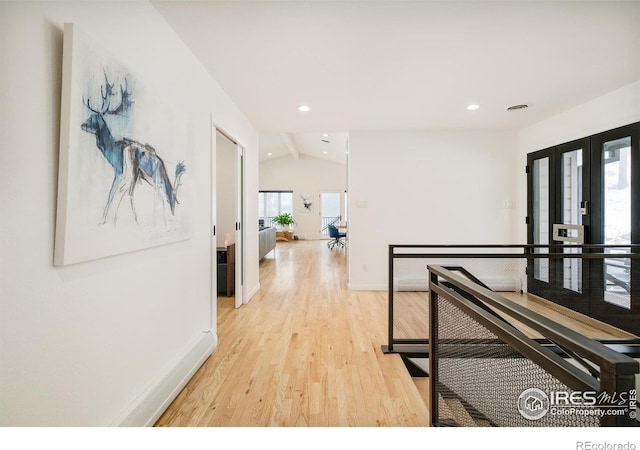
(226, 259)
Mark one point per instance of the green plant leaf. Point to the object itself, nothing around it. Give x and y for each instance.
(284, 219)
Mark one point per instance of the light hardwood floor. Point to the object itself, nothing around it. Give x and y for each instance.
(304, 352)
(307, 352)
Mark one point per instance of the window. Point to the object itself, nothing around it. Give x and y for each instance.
(273, 203)
(330, 211)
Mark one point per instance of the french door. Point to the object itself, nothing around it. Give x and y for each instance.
(559, 189)
(587, 192)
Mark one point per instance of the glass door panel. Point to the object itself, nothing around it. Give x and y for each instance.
(616, 158)
(541, 211)
(572, 165)
(330, 211)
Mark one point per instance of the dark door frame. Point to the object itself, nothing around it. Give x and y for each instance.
(591, 300)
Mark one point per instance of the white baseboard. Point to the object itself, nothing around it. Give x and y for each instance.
(149, 406)
(411, 284)
(367, 287)
(251, 293)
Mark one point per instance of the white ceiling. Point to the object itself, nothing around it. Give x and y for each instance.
(407, 65)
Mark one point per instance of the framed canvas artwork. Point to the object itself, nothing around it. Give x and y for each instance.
(123, 177)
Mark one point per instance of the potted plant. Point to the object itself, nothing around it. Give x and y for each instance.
(284, 220)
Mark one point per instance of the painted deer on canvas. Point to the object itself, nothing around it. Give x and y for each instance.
(132, 161)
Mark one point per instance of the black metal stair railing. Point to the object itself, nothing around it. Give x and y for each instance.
(484, 371)
(491, 255)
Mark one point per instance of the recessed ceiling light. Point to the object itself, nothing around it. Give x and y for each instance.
(269, 154)
(473, 107)
(325, 135)
(325, 152)
(304, 108)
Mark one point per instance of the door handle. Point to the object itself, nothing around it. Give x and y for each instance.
(584, 207)
(562, 232)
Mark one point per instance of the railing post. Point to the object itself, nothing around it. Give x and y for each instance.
(433, 357)
(390, 297)
(615, 385)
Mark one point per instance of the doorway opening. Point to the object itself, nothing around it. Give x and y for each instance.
(331, 211)
(228, 233)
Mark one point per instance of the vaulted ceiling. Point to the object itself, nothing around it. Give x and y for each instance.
(408, 65)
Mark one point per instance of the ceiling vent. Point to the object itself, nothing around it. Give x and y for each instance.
(517, 107)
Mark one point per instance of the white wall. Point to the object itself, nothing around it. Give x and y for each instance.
(615, 109)
(306, 175)
(427, 188)
(90, 344)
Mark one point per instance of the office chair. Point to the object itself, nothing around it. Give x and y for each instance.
(336, 237)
